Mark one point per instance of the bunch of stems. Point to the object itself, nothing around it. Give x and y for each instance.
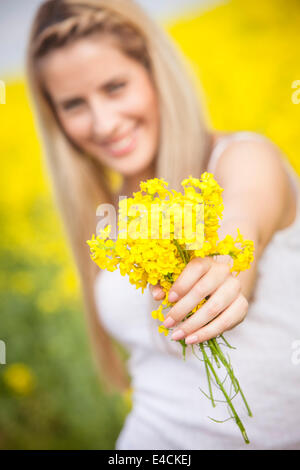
(214, 359)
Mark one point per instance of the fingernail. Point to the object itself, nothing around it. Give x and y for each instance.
(191, 339)
(178, 334)
(173, 297)
(169, 322)
(156, 292)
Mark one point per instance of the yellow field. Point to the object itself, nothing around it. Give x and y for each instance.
(246, 56)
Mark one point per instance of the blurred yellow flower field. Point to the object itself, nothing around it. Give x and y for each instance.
(245, 55)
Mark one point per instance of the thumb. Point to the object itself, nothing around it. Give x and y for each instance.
(157, 291)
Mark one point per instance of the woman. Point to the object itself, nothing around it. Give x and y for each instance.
(111, 93)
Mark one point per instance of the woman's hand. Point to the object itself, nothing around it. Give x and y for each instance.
(225, 308)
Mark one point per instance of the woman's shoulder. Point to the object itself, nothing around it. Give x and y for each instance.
(255, 157)
(232, 150)
(222, 140)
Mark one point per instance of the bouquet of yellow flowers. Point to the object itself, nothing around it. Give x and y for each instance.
(159, 232)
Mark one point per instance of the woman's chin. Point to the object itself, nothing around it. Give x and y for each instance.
(132, 166)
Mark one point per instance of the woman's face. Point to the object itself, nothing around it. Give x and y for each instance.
(105, 101)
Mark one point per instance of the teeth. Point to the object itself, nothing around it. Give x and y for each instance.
(117, 146)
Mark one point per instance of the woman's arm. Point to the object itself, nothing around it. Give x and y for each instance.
(256, 196)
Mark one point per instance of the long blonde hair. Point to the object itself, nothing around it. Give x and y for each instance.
(80, 181)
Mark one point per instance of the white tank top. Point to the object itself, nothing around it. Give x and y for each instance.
(169, 411)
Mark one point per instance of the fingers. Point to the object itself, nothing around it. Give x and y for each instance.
(210, 282)
(231, 317)
(193, 271)
(218, 302)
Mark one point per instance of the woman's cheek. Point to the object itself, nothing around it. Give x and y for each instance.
(77, 127)
(140, 99)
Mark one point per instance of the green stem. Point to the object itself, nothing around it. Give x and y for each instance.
(231, 374)
(236, 417)
(184, 346)
(213, 344)
(214, 353)
(181, 251)
(226, 342)
(208, 378)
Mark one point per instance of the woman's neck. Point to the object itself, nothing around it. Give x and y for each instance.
(132, 184)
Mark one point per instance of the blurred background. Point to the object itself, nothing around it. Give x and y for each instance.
(246, 57)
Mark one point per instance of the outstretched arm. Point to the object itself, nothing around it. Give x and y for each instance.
(256, 195)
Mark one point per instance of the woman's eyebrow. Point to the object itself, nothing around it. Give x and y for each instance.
(114, 79)
(71, 100)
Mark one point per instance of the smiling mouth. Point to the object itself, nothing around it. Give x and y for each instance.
(123, 146)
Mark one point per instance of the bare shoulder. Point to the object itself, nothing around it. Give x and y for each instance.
(261, 157)
(255, 180)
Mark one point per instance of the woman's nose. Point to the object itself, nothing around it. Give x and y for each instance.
(104, 121)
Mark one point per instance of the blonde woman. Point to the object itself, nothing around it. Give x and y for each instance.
(111, 93)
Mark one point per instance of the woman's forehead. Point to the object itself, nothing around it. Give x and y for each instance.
(85, 63)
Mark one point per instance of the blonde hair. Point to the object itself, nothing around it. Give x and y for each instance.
(80, 181)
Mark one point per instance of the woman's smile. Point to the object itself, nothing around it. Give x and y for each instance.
(122, 145)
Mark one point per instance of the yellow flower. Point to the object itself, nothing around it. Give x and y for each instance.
(148, 259)
(158, 313)
(163, 329)
(19, 378)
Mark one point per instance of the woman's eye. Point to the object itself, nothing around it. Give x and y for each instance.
(114, 87)
(72, 104)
